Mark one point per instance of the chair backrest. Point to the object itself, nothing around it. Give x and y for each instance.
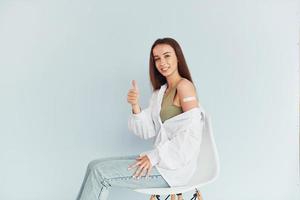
(208, 160)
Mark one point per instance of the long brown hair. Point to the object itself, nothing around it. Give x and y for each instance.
(157, 80)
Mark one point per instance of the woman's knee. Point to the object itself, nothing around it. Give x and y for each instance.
(92, 164)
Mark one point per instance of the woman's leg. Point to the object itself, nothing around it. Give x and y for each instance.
(104, 173)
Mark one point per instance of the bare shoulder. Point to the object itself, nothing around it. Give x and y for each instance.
(187, 95)
(185, 85)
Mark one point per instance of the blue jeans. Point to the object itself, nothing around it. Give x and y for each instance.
(104, 173)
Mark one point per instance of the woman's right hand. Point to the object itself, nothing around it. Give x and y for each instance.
(133, 96)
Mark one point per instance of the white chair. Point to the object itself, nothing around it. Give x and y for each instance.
(207, 171)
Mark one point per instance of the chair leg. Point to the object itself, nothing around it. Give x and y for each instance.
(199, 196)
(172, 196)
(179, 197)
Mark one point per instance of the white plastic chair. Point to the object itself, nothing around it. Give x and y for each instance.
(207, 171)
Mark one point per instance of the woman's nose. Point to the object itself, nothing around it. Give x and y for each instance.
(163, 62)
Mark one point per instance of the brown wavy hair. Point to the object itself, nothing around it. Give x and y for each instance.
(157, 80)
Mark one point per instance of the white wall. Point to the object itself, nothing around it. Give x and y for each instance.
(66, 66)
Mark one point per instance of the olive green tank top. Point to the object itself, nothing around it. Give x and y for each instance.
(168, 109)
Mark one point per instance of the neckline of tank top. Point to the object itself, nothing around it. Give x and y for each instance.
(167, 93)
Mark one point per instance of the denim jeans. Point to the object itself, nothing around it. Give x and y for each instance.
(104, 173)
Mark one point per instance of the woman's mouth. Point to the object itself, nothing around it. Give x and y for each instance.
(164, 69)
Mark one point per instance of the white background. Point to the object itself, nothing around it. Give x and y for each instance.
(66, 67)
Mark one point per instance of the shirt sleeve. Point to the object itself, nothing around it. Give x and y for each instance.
(181, 149)
(141, 124)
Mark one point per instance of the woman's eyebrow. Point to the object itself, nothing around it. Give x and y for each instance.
(163, 54)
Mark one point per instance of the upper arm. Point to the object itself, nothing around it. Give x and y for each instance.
(186, 89)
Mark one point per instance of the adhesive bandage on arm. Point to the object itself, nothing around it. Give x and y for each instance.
(187, 99)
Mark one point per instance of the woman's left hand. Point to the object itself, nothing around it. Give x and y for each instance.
(144, 166)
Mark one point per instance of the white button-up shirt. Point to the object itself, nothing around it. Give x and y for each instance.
(177, 142)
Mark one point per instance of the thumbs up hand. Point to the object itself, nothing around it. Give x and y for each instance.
(133, 95)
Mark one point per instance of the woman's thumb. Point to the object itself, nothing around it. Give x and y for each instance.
(134, 85)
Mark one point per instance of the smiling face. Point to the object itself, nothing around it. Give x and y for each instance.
(165, 59)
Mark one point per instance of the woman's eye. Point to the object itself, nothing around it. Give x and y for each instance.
(156, 59)
(167, 56)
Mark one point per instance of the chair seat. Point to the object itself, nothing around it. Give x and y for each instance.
(172, 190)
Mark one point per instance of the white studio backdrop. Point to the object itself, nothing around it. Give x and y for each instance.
(66, 67)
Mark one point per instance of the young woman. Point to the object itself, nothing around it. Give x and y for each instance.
(174, 117)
